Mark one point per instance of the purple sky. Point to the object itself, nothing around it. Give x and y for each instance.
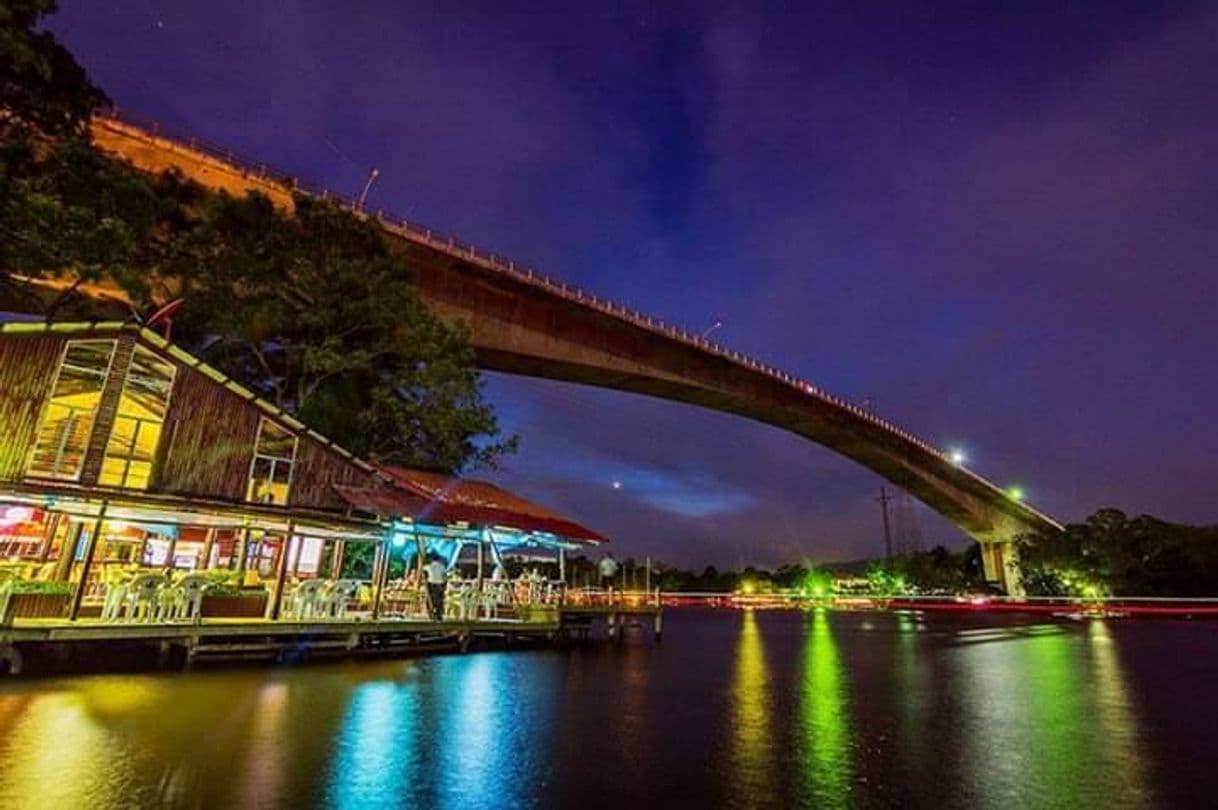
(997, 227)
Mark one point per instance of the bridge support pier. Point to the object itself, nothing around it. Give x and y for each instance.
(1000, 560)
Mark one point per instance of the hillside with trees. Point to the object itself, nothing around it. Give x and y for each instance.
(309, 308)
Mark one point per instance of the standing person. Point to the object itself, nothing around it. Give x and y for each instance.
(437, 581)
(608, 570)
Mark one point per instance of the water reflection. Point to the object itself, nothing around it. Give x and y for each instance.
(494, 727)
(1041, 734)
(376, 752)
(1118, 719)
(741, 709)
(261, 775)
(752, 735)
(63, 774)
(825, 766)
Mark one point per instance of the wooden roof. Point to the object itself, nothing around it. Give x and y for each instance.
(434, 498)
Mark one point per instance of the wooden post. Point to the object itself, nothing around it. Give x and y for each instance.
(422, 556)
(281, 575)
(48, 536)
(243, 550)
(562, 575)
(67, 551)
(336, 558)
(173, 546)
(481, 543)
(79, 594)
(496, 554)
(380, 573)
(209, 545)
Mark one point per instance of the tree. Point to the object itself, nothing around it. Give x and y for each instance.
(74, 214)
(317, 311)
(41, 85)
(1113, 553)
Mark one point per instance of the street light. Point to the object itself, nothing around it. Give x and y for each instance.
(711, 328)
(1015, 493)
(957, 456)
(363, 195)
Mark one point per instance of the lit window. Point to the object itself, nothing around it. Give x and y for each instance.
(271, 472)
(63, 436)
(137, 426)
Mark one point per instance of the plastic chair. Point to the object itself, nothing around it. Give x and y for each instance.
(185, 599)
(143, 597)
(308, 599)
(340, 593)
(115, 599)
(489, 599)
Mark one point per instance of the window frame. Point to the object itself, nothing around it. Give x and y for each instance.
(275, 461)
(128, 458)
(49, 403)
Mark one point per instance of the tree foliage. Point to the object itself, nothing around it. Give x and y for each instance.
(41, 85)
(1113, 553)
(316, 309)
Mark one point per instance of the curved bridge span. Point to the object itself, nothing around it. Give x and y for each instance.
(524, 323)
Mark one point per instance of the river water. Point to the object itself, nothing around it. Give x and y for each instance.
(734, 709)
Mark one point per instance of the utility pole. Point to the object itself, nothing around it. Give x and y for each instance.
(884, 499)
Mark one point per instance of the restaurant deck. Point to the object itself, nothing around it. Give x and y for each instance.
(42, 645)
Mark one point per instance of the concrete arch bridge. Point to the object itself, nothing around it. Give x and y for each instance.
(525, 323)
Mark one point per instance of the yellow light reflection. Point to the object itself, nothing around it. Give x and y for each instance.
(753, 752)
(263, 774)
(51, 752)
(1117, 718)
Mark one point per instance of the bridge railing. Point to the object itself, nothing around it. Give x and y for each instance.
(449, 243)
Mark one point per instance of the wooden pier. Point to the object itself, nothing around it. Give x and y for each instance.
(40, 646)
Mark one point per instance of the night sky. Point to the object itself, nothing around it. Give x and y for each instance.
(996, 227)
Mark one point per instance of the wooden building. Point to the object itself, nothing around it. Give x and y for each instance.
(119, 452)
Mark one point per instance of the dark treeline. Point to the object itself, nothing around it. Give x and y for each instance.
(1113, 554)
(938, 570)
(1108, 554)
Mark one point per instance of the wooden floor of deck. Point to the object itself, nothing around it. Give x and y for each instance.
(256, 638)
(96, 630)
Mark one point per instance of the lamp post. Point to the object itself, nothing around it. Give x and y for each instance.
(363, 195)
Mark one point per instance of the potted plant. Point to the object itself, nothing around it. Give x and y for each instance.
(226, 598)
(30, 599)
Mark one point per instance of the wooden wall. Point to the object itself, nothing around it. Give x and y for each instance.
(208, 445)
(27, 369)
(317, 469)
(208, 440)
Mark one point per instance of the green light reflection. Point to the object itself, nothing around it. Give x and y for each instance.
(825, 756)
(1052, 725)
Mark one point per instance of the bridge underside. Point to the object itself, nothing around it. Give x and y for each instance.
(520, 326)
